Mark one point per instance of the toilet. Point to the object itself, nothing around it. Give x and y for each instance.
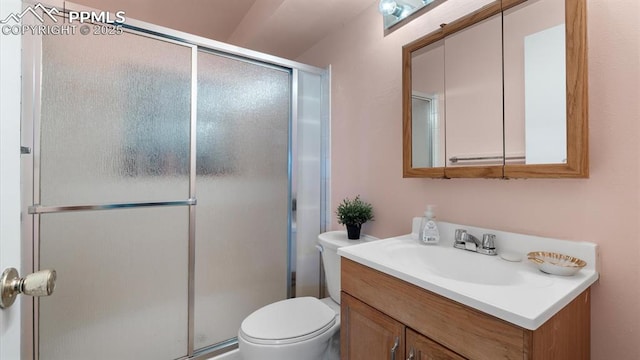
(303, 328)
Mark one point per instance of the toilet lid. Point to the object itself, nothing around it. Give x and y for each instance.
(288, 321)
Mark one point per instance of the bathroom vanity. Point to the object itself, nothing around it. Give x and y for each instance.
(396, 307)
(380, 311)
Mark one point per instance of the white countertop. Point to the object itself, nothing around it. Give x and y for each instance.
(516, 292)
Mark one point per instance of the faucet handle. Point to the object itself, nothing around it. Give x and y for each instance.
(488, 241)
(459, 235)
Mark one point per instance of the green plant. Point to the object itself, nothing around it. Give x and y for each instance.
(354, 212)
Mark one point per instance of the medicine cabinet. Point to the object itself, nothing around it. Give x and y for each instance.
(499, 93)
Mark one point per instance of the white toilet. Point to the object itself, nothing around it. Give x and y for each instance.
(302, 328)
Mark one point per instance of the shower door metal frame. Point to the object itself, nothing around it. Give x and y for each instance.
(230, 344)
(30, 163)
(30, 169)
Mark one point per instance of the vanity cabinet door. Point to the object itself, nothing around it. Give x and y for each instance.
(420, 347)
(368, 334)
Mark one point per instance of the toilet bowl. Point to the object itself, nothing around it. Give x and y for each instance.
(299, 328)
(302, 328)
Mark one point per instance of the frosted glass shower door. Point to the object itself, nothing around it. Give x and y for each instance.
(113, 151)
(242, 184)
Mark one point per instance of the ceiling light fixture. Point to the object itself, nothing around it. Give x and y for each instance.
(396, 11)
(390, 7)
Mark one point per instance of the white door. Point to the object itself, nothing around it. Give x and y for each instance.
(10, 177)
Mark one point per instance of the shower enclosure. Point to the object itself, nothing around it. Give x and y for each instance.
(169, 181)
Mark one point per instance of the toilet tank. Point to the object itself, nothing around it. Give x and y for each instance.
(330, 242)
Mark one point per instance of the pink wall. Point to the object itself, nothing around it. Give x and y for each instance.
(605, 209)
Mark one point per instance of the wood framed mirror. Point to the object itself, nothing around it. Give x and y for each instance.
(486, 96)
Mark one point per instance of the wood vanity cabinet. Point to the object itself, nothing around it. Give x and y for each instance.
(380, 312)
(371, 335)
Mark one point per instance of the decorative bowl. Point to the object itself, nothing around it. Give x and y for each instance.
(556, 264)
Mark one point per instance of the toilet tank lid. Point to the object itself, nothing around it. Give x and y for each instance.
(336, 239)
(288, 319)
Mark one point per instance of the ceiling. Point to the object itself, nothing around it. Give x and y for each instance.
(285, 28)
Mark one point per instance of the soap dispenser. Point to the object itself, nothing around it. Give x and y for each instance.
(429, 233)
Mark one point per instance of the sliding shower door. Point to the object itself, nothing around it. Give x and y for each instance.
(242, 183)
(160, 180)
(112, 152)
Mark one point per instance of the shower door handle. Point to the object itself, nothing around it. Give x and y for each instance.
(41, 283)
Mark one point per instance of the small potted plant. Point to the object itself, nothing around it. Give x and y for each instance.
(352, 214)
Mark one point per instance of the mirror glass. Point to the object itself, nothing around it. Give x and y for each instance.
(428, 106)
(499, 92)
(473, 91)
(535, 115)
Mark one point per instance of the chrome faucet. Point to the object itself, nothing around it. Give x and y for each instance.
(464, 240)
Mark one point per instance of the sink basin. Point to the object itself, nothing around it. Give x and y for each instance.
(455, 264)
(516, 292)
(444, 264)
